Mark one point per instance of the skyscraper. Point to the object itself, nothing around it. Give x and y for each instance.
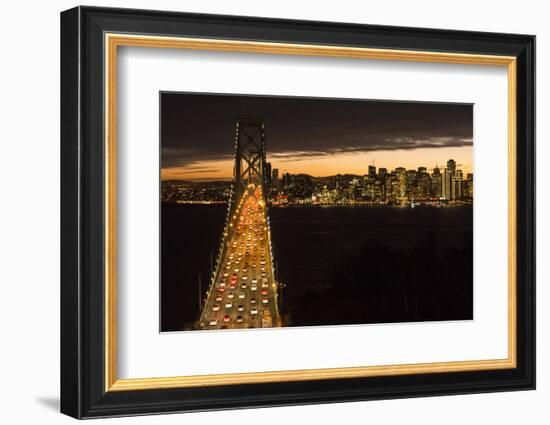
(451, 165)
(411, 185)
(286, 181)
(275, 179)
(268, 174)
(469, 186)
(423, 183)
(401, 186)
(382, 172)
(446, 184)
(457, 188)
(435, 190)
(372, 172)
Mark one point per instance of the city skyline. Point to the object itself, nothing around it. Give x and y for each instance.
(364, 171)
(376, 186)
(319, 137)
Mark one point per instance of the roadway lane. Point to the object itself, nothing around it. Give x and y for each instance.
(243, 294)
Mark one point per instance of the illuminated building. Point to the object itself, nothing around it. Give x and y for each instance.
(268, 174)
(457, 185)
(275, 179)
(435, 187)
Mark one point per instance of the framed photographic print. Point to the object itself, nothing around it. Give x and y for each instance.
(261, 212)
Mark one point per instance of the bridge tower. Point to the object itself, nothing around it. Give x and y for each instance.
(250, 157)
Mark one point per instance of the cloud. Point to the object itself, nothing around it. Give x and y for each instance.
(176, 157)
(199, 129)
(184, 157)
(408, 143)
(389, 144)
(192, 170)
(296, 155)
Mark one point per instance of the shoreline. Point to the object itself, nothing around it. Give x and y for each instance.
(405, 206)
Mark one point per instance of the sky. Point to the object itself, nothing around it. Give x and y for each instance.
(316, 136)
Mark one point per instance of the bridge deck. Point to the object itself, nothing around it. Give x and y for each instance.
(244, 292)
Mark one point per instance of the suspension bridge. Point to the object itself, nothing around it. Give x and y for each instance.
(243, 292)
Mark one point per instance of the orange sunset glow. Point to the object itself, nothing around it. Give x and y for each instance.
(328, 165)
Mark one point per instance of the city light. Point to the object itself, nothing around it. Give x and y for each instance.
(441, 187)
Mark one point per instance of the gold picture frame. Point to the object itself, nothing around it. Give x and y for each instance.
(91, 40)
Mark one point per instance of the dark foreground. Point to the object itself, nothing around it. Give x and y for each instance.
(339, 265)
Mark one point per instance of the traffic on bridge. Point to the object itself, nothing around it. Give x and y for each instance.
(244, 294)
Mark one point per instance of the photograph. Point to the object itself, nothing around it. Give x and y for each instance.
(282, 211)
